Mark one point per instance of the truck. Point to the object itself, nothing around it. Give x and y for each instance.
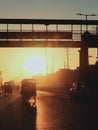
(28, 91)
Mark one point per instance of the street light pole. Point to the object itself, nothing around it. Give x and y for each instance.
(86, 17)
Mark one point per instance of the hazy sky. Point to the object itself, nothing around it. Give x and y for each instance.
(41, 9)
(65, 9)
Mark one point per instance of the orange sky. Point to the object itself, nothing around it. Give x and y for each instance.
(12, 61)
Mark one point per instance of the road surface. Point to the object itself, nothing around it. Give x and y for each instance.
(54, 111)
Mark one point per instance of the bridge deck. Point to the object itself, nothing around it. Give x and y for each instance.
(49, 21)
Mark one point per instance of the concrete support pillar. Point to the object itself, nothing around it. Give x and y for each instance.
(83, 61)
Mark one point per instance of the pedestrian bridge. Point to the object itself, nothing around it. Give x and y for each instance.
(48, 33)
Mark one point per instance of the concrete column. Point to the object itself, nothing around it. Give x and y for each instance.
(83, 61)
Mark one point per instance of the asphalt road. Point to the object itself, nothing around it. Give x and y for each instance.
(54, 111)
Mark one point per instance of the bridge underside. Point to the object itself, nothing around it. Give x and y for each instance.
(71, 44)
(47, 39)
(53, 44)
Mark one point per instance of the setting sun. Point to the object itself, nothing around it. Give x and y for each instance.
(35, 65)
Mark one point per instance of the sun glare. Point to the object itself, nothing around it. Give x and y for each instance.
(35, 65)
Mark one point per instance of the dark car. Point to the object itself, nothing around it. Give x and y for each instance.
(7, 88)
(28, 91)
(80, 90)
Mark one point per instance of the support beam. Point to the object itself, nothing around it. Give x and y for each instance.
(40, 44)
(36, 35)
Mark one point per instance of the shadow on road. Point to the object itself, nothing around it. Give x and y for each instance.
(18, 116)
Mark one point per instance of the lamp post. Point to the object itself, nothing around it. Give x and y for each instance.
(85, 49)
(86, 17)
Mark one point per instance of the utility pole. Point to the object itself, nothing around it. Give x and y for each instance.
(67, 57)
(97, 55)
(97, 48)
(46, 51)
(86, 17)
(0, 77)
